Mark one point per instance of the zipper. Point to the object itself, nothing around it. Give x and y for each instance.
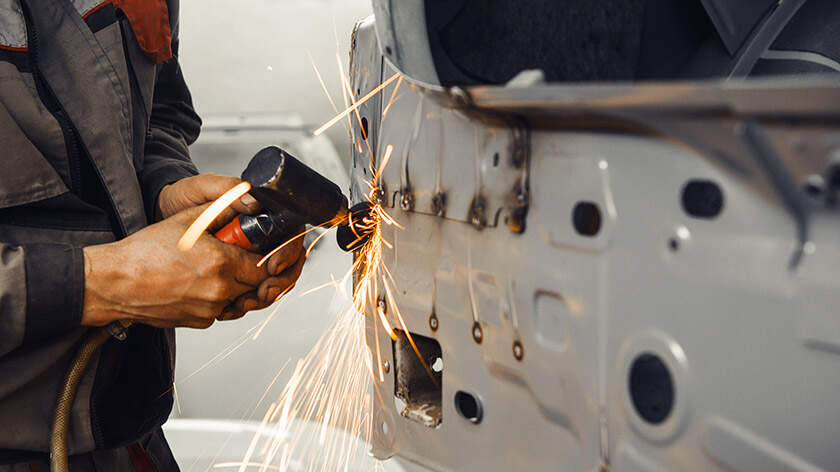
(132, 76)
(72, 140)
(52, 104)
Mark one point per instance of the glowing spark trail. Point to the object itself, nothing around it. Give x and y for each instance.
(345, 82)
(278, 248)
(273, 312)
(325, 411)
(388, 151)
(206, 217)
(319, 287)
(355, 106)
(391, 100)
(312, 246)
(384, 320)
(321, 81)
(327, 406)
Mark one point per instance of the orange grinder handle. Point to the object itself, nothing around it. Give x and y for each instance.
(232, 233)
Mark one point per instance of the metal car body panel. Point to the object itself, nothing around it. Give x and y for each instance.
(542, 324)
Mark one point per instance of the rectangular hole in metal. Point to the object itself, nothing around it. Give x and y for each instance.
(416, 395)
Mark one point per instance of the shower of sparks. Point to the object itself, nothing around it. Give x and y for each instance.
(326, 408)
(325, 412)
(355, 106)
(206, 217)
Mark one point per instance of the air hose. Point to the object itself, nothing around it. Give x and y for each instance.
(59, 453)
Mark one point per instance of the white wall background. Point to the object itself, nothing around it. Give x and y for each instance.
(252, 56)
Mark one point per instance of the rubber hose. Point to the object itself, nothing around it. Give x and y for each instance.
(59, 454)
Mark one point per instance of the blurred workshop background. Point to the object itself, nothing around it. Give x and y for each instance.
(249, 67)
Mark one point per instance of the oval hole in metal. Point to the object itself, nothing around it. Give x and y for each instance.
(468, 406)
(586, 217)
(651, 388)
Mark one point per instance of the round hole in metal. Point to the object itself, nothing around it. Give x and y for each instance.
(702, 199)
(468, 406)
(651, 388)
(586, 217)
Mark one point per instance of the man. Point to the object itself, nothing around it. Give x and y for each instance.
(96, 187)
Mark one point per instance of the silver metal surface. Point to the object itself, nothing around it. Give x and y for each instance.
(749, 340)
(403, 40)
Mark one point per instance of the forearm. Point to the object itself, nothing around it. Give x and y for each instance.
(41, 291)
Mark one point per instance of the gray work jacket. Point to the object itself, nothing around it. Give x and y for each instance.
(94, 121)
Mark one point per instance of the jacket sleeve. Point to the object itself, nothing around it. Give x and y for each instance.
(174, 125)
(41, 292)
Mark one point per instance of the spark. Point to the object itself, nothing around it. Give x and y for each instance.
(333, 385)
(273, 312)
(253, 443)
(243, 465)
(224, 353)
(385, 323)
(278, 248)
(312, 246)
(378, 353)
(346, 103)
(355, 106)
(348, 93)
(406, 332)
(197, 228)
(391, 100)
(177, 401)
(389, 149)
(345, 82)
(321, 81)
(329, 387)
(331, 283)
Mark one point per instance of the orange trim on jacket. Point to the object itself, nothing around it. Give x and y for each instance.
(12, 48)
(150, 21)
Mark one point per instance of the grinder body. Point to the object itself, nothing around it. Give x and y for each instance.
(292, 195)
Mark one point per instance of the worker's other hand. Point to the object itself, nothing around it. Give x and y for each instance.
(146, 278)
(200, 189)
(284, 268)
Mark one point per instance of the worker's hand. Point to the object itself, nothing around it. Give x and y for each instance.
(200, 189)
(146, 278)
(285, 267)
